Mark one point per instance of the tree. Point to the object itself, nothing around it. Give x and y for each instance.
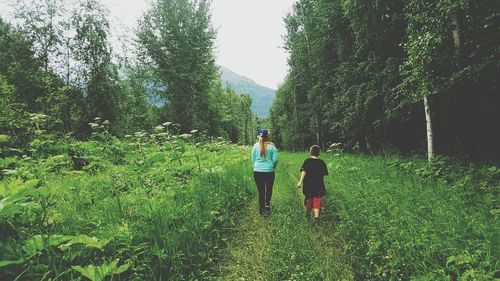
(98, 75)
(46, 25)
(176, 36)
(365, 73)
(21, 83)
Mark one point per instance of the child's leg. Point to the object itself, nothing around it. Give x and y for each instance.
(308, 204)
(316, 206)
(316, 213)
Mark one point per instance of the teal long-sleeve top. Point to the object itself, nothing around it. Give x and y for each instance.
(269, 163)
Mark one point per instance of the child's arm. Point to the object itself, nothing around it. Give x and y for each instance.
(301, 181)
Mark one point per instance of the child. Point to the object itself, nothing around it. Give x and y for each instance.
(311, 179)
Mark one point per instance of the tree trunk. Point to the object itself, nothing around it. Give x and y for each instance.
(457, 37)
(362, 145)
(317, 132)
(428, 121)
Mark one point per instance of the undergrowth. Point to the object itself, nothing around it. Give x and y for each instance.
(407, 219)
(151, 207)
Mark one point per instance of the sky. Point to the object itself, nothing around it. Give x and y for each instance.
(249, 33)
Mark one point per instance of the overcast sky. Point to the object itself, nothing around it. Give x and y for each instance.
(249, 39)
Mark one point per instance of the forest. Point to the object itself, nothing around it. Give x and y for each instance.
(57, 61)
(380, 76)
(132, 162)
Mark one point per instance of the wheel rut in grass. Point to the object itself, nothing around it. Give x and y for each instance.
(285, 245)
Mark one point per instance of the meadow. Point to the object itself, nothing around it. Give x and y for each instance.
(162, 206)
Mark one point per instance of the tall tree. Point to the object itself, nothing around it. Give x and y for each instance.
(99, 76)
(46, 24)
(370, 73)
(176, 36)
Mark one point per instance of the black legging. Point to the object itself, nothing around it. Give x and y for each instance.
(264, 181)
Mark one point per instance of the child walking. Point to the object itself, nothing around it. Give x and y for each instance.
(311, 180)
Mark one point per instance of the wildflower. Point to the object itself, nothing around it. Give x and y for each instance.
(166, 124)
(194, 131)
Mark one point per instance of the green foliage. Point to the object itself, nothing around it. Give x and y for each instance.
(38, 243)
(415, 220)
(58, 64)
(359, 71)
(161, 204)
(98, 273)
(183, 58)
(236, 117)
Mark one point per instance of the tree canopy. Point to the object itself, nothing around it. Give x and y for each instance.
(359, 72)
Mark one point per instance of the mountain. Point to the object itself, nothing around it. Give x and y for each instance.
(262, 97)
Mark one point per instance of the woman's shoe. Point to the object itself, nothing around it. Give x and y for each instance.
(267, 210)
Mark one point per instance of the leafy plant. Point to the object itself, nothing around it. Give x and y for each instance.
(15, 198)
(98, 273)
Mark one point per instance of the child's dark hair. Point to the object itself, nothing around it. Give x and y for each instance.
(314, 150)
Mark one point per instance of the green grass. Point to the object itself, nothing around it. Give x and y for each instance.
(400, 225)
(165, 220)
(285, 245)
(378, 223)
(146, 209)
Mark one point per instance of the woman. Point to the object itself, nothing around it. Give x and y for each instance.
(264, 159)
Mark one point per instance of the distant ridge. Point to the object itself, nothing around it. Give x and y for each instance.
(262, 97)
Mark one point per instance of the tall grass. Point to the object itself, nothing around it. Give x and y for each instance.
(155, 207)
(160, 219)
(403, 224)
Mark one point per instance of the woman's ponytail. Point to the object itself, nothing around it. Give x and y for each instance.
(263, 142)
(262, 145)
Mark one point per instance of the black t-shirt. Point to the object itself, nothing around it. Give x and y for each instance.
(315, 169)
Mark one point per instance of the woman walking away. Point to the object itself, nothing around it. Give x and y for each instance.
(264, 159)
(311, 179)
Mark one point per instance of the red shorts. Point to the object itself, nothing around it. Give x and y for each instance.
(314, 203)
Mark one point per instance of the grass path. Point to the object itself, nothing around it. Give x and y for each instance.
(285, 246)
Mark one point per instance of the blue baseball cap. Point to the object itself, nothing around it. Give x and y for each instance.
(263, 133)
